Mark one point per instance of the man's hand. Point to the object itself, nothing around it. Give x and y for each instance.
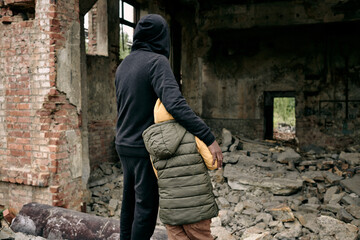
(216, 153)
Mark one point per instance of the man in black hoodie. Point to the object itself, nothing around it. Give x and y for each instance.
(143, 77)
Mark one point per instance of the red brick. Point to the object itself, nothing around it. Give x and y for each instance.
(11, 119)
(19, 113)
(58, 203)
(6, 19)
(52, 14)
(12, 180)
(19, 134)
(12, 160)
(16, 146)
(28, 147)
(24, 119)
(8, 215)
(54, 189)
(17, 153)
(45, 127)
(62, 112)
(53, 169)
(53, 134)
(19, 180)
(57, 156)
(44, 113)
(22, 106)
(25, 161)
(49, 105)
(44, 168)
(10, 106)
(54, 148)
(55, 197)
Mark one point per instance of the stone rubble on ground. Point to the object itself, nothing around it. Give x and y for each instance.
(8, 234)
(267, 191)
(264, 191)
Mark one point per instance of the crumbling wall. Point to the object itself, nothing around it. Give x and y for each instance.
(101, 67)
(102, 110)
(41, 149)
(315, 64)
(234, 53)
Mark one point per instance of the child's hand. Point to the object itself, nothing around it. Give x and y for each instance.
(216, 153)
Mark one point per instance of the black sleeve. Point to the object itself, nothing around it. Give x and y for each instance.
(166, 88)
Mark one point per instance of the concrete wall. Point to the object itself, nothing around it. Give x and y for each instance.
(233, 54)
(58, 108)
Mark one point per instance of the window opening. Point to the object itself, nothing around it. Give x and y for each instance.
(284, 121)
(86, 29)
(96, 29)
(129, 15)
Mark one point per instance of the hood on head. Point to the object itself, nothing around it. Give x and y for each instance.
(152, 34)
(163, 139)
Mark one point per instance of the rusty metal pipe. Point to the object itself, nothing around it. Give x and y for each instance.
(60, 223)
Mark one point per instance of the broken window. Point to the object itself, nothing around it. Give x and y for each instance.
(129, 15)
(96, 29)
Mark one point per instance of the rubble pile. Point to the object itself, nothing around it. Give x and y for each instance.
(106, 184)
(267, 191)
(284, 132)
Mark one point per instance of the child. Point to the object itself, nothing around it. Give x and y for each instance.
(187, 203)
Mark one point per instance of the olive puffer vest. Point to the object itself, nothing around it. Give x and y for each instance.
(184, 183)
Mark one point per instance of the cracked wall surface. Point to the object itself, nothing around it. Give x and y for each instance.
(40, 111)
(57, 103)
(233, 53)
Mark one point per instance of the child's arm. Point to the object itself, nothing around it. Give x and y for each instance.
(206, 154)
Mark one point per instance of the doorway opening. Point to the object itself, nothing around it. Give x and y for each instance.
(279, 116)
(284, 118)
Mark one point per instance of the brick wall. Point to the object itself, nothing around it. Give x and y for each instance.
(101, 142)
(35, 118)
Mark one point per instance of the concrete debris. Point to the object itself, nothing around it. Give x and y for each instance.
(289, 156)
(226, 139)
(261, 196)
(331, 228)
(350, 158)
(282, 213)
(352, 184)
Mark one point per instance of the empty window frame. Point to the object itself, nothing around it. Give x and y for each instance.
(129, 15)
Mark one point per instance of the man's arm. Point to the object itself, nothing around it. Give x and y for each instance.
(167, 89)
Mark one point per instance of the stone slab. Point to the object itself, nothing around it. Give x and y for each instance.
(352, 184)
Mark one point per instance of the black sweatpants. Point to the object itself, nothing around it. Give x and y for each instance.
(140, 199)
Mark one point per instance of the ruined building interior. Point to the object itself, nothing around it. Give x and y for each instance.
(231, 58)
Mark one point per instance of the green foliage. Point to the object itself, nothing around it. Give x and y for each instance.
(284, 111)
(124, 46)
(1, 215)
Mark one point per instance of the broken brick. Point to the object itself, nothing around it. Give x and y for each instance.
(8, 215)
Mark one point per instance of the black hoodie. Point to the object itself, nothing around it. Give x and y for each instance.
(140, 79)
